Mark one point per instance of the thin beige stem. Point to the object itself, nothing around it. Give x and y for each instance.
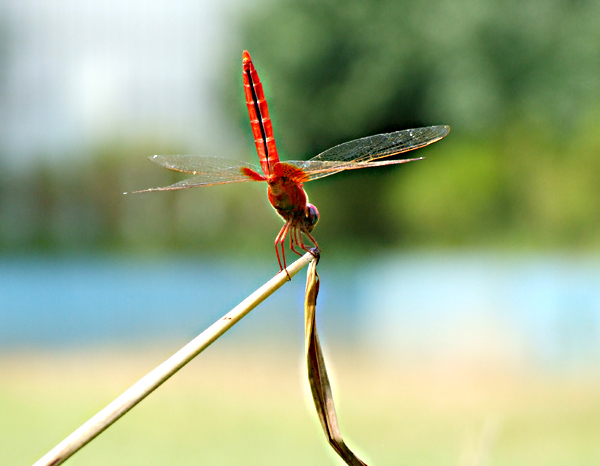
(147, 384)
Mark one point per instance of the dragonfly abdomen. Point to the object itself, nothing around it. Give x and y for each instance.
(262, 128)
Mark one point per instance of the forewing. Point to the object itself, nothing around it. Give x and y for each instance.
(197, 164)
(363, 153)
(383, 145)
(208, 170)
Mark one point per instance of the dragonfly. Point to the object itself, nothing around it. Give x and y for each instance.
(285, 180)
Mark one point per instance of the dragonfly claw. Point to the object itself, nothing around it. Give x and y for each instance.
(316, 252)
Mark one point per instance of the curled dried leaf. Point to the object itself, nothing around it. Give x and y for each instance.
(317, 373)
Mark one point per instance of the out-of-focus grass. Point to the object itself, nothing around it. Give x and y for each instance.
(239, 406)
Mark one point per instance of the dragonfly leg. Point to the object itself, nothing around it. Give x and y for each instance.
(279, 244)
(314, 251)
(296, 238)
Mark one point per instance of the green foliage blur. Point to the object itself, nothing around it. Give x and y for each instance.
(517, 82)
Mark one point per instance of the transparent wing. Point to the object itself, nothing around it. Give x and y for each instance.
(315, 169)
(197, 164)
(361, 153)
(383, 145)
(208, 170)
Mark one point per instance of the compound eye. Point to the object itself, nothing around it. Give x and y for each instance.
(312, 216)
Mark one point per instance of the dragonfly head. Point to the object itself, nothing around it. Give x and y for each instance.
(312, 217)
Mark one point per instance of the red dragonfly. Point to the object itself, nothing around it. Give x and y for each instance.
(285, 179)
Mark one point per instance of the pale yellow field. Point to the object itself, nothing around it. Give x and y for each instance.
(236, 405)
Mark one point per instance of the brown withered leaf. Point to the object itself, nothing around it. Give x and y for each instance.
(317, 373)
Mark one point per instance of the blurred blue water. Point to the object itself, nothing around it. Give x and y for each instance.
(542, 309)
(66, 301)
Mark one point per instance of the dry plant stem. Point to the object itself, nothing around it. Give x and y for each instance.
(147, 384)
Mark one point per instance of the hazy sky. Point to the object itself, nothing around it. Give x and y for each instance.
(76, 72)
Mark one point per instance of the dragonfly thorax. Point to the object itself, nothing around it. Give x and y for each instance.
(290, 201)
(286, 196)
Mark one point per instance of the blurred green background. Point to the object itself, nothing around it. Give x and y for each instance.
(516, 81)
(460, 300)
